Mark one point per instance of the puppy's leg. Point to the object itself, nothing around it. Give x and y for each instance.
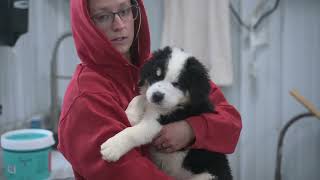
(203, 176)
(129, 138)
(136, 109)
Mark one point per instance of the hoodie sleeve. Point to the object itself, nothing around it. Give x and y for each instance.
(218, 131)
(91, 120)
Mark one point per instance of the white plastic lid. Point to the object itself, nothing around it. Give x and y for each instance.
(27, 139)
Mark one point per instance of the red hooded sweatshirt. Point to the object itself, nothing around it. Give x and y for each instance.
(94, 106)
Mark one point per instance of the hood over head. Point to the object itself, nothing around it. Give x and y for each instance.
(94, 48)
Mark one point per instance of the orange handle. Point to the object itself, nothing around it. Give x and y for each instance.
(305, 103)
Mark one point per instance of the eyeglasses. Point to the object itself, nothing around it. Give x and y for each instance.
(107, 18)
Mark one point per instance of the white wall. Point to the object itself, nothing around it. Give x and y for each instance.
(155, 16)
(25, 68)
(290, 59)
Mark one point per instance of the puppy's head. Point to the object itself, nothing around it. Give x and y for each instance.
(172, 79)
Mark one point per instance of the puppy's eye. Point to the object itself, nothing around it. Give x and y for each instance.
(175, 84)
(158, 72)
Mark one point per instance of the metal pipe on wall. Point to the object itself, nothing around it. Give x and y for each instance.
(54, 106)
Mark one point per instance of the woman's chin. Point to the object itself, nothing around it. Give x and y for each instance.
(123, 49)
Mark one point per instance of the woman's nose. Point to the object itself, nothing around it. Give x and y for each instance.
(118, 23)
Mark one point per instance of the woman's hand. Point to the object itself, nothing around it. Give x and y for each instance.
(174, 136)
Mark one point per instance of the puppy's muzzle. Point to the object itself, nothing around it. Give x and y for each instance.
(157, 97)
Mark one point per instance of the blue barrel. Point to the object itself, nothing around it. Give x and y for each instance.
(27, 154)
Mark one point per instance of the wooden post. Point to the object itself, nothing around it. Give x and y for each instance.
(305, 103)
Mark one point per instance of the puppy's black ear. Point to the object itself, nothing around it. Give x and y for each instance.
(143, 86)
(197, 80)
(141, 83)
(163, 53)
(145, 72)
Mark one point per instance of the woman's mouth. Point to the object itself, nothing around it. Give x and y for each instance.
(119, 39)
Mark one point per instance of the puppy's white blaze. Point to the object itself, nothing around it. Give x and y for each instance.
(175, 65)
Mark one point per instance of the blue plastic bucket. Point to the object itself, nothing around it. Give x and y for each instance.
(27, 154)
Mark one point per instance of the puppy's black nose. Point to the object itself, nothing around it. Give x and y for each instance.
(157, 97)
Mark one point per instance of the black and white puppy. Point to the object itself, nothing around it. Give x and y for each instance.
(174, 86)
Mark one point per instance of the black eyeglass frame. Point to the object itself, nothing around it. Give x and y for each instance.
(135, 13)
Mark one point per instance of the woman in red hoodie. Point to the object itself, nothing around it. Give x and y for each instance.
(112, 41)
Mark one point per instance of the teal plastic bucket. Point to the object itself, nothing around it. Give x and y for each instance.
(27, 154)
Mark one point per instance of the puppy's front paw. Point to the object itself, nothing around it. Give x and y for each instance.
(133, 119)
(113, 149)
(203, 176)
